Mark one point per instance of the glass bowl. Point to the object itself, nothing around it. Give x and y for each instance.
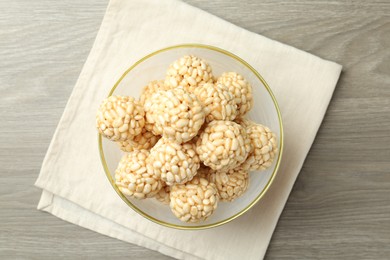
(265, 111)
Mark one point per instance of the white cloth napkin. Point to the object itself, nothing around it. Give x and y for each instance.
(74, 185)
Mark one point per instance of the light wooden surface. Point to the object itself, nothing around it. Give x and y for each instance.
(340, 205)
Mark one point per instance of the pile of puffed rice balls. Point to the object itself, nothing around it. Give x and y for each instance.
(186, 140)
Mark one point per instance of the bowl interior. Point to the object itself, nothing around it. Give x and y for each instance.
(265, 112)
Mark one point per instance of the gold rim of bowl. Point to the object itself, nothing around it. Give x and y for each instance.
(258, 197)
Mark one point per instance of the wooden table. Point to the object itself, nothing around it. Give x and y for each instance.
(340, 205)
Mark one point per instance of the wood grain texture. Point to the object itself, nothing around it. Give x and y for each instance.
(340, 205)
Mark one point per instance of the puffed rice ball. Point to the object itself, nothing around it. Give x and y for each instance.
(195, 200)
(189, 72)
(223, 145)
(176, 113)
(146, 94)
(240, 88)
(145, 140)
(173, 162)
(231, 184)
(150, 89)
(120, 118)
(244, 122)
(218, 102)
(265, 147)
(163, 194)
(132, 177)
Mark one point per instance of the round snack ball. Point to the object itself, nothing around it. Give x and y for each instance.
(147, 92)
(150, 89)
(240, 88)
(223, 145)
(145, 140)
(195, 200)
(173, 162)
(163, 194)
(218, 102)
(244, 122)
(265, 147)
(230, 184)
(120, 118)
(176, 113)
(189, 72)
(132, 177)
